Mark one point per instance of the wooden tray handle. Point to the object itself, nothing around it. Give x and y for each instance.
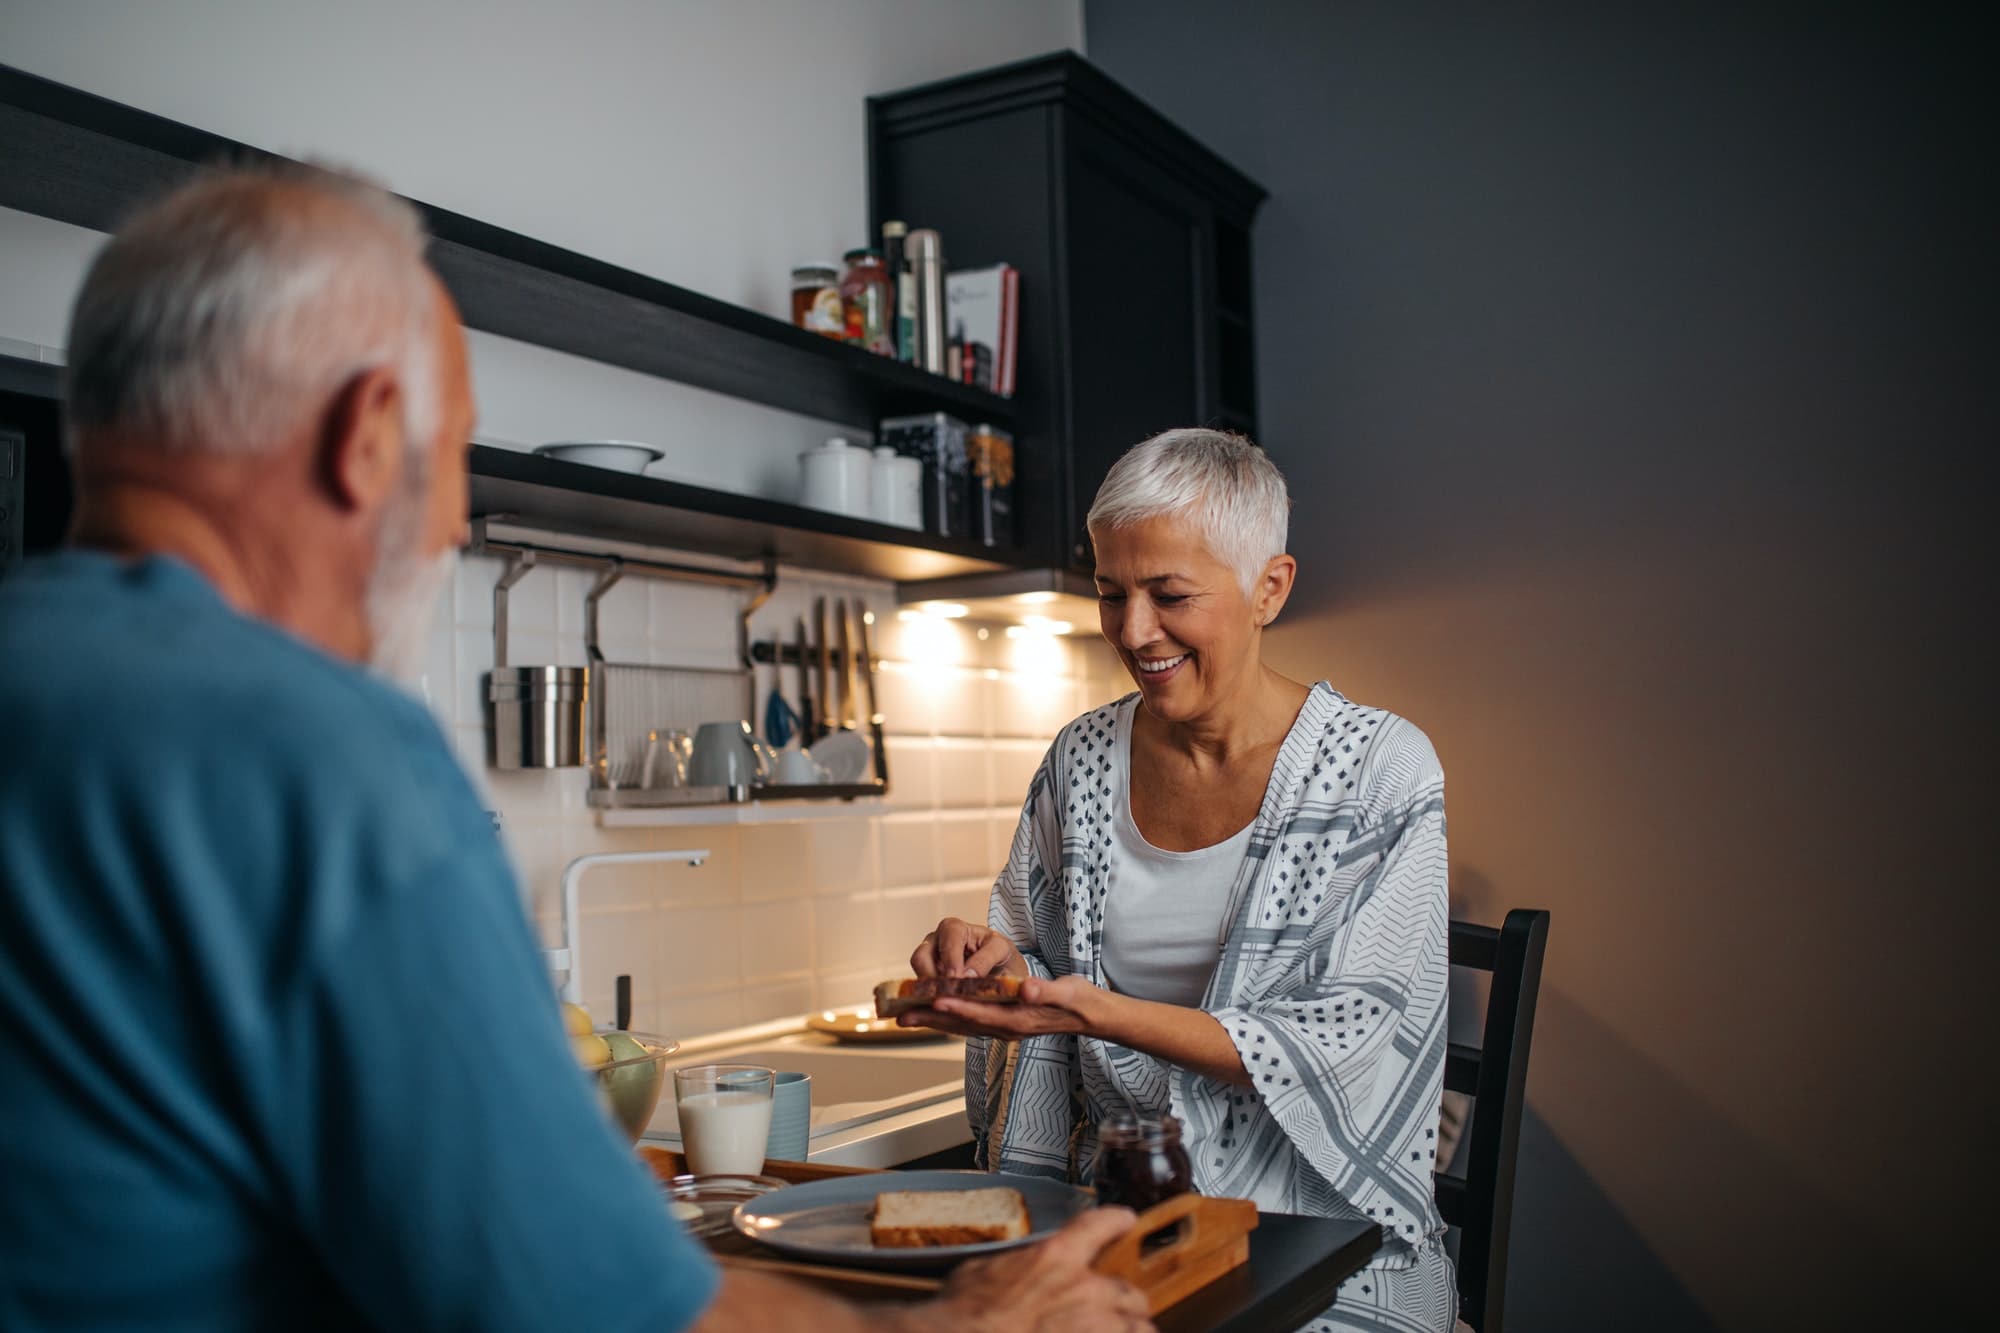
(1197, 1224)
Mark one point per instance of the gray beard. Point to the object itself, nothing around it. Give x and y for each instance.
(402, 601)
(403, 590)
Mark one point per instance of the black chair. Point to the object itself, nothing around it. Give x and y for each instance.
(1495, 1075)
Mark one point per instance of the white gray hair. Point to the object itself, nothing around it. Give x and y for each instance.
(221, 315)
(1221, 482)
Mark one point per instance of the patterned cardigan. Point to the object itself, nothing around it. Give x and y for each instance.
(1331, 981)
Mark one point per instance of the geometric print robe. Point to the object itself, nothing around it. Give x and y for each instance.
(1331, 983)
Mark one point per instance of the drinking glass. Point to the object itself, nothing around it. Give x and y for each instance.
(725, 1114)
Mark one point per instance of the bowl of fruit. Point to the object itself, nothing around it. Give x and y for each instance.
(630, 1068)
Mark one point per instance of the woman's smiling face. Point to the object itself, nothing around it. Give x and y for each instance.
(1177, 615)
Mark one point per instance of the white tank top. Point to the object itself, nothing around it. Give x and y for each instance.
(1163, 910)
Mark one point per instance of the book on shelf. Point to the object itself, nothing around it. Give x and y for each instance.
(983, 313)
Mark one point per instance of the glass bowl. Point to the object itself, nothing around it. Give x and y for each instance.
(630, 1083)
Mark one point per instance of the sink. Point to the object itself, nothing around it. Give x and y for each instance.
(852, 1086)
(840, 1077)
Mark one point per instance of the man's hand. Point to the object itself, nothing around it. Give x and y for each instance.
(1065, 1004)
(963, 949)
(1045, 1288)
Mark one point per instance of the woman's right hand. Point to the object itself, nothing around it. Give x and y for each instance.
(966, 949)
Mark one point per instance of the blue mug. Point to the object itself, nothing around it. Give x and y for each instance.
(791, 1118)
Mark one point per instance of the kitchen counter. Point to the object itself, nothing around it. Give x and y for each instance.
(873, 1105)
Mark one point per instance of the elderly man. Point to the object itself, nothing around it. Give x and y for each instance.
(276, 1049)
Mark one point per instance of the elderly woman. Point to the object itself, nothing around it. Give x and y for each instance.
(1227, 892)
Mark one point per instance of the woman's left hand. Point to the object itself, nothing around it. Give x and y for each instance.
(1065, 1004)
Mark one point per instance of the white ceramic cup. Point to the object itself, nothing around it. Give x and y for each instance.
(796, 768)
(724, 756)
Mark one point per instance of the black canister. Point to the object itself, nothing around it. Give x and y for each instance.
(990, 453)
(938, 441)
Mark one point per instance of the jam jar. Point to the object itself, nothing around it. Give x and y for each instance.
(1140, 1161)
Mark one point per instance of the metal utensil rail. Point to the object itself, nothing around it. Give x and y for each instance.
(612, 733)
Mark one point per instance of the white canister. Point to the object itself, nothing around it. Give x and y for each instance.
(835, 476)
(896, 488)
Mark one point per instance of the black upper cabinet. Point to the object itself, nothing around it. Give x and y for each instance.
(1133, 243)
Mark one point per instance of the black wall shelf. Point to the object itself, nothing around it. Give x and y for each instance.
(88, 161)
(553, 496)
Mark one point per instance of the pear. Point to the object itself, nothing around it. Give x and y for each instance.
(576, 1019)
(633, 1090)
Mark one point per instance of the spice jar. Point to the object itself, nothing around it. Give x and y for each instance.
(816, 300)
(1140, 1161)
(868, 299)
(990, 451)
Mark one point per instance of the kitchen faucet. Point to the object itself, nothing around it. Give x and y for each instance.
(568, 959)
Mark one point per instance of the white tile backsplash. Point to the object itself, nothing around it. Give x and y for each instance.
(962, 851)
(967, 902)
(907, 916)
(777, 939)
(777, 862)
(912, 773)
(845, 928)
(1013, 764)
(963, 778)
(699, 950)
(619, 941)
(843, 855)
(785, 916)
(909, 851)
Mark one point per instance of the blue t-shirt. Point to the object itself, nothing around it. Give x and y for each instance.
(277, 1049)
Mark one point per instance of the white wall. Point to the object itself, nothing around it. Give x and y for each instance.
(712, 145)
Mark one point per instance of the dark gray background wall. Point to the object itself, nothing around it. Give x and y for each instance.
(1631, 367)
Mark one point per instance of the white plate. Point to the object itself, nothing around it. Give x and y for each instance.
(844, 756)
(826, 1221)
(618, 455)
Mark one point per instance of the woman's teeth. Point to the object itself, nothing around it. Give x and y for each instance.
(1154, 666)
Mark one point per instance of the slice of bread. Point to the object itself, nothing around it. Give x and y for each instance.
(895, 997)
(911, 1219)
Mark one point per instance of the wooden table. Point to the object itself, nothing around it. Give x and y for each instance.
(1296, 1263)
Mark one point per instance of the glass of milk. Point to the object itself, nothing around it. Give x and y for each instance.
(725, 1113)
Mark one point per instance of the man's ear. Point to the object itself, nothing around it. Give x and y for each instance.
(361, 440)
(1274, 588)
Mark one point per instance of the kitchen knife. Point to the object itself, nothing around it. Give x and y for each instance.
(874, 709)
(847, 680)
(868, 670)
(808, 719)
(821, 646)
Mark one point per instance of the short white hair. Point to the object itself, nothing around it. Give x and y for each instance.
(1224, 485)
(222, 314)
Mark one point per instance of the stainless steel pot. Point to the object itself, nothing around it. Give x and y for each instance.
(537, 716)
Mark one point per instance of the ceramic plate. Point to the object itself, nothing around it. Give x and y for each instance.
(863, 1028)
(619, 455)
(826, 1221)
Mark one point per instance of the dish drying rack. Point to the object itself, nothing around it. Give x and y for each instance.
(629, 701)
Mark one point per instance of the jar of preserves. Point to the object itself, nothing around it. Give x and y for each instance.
(869, 301)
(816, 300)
(1140, 1161)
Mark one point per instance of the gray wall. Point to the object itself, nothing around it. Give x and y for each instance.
(1632, 374)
